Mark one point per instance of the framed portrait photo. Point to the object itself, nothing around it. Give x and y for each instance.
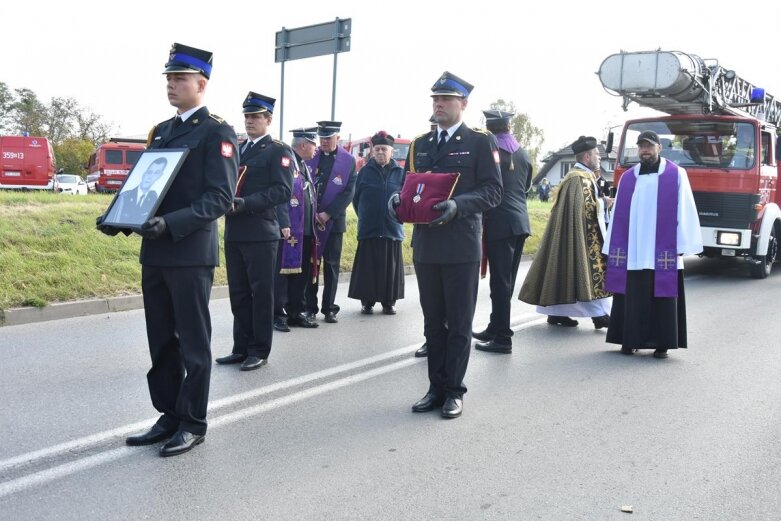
(144, 189)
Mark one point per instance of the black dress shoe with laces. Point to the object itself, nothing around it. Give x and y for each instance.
(367, 310)
(233, 358)
(428, 403)
(562, 321)
(280, 324)
(600, 322)
(330, 317)
(452, 407)
(311, 315)
(494, 347)
(181, 442)
(252, 363)
(422, 351)
(153, 435)
(483, 336)
(301, 320)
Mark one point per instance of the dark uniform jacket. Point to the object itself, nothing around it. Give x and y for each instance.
(372, 191)
(511, 218)
(267, 182)
(475, 156)
(130, 211)
(200, 194)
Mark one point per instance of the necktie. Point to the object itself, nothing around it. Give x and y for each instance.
(248, 146)
(177, 121)
(442, 139)
(141, 200)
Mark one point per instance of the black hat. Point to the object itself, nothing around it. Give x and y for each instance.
(328, 128)
(650, 136)
(583, 143)
(189, 60)
(383, 138)
(310, 134)
(256, 103)
(497, 118)
(451, 85)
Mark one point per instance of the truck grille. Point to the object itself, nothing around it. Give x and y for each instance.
(726, 210)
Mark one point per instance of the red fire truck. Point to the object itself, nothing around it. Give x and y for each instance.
(110, 163)
(26, 163)
(722, 130)
(361, 149)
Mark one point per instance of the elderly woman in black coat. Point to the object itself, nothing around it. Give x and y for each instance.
(378, 268)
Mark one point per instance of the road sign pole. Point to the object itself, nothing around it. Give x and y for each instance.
(282, 104)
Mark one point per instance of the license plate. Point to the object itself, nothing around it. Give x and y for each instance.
(13, 174)
(728, 253)
(115, 182)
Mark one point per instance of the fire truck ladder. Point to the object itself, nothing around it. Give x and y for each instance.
(674, 82)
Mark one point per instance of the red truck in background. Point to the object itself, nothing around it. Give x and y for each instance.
(111, 162)
(723, 131)
(26, 163)
(361, 149)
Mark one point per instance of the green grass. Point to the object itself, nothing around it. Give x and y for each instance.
(51, 252)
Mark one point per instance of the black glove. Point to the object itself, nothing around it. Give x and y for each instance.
(153, 228)
(238, 206)
(393, 203)
(449, 211)
(105, 228)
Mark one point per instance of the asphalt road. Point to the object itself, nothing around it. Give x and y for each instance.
(564, 428)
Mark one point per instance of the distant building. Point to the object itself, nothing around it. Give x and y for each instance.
(556, 165)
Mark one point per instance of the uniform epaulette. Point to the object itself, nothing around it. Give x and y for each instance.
(423, 135)
(278, 142)
(481, 130)
(150, 136)
(217, 118)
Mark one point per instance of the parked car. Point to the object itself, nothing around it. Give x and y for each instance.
(71, 184)
(92, 180)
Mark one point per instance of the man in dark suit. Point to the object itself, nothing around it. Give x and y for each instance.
(252, 234)
(333, 171)
(296, 218)
(133, 205)
(506, 228)
(447, 251)
(179, 252)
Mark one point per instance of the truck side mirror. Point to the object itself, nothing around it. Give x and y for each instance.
(609, 145)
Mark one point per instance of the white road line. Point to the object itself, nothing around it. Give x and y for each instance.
(44, 476)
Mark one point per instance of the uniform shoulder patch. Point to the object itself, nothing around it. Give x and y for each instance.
(217, 118)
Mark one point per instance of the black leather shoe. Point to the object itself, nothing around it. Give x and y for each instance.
(280, 324)
(627, 351)
(494, 347)
(301, 320)
(252, 363)
(153, 435)
(660, 353)
(483, 336)
(562, 321)
(233, 358)
(367, 310)
(330, 317)
(311, 315)
(422, 351)
(180, 443)
(388, 310)
(452, 408)
(428, 403)
(600, 322)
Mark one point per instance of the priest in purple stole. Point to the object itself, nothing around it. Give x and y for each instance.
(654, 222)
(333, 171)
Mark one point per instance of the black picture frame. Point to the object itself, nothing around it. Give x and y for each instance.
(145, 187)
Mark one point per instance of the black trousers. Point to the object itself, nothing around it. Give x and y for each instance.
(178, 327)
(251, 267)
(332, 255)
(504, 257)
(290, 290)
(448, 293)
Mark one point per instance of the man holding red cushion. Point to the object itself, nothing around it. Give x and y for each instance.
(447, 252)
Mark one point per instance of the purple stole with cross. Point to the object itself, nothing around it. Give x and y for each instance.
(293, 247)
(337, 182)
(665, 251)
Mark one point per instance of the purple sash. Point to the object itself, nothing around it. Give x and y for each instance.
(337, 182)
(665, 251)
(293, 247)
(507, 142)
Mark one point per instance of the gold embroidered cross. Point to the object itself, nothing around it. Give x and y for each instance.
(292, 241)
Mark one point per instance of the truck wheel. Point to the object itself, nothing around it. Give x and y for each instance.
(763, 264)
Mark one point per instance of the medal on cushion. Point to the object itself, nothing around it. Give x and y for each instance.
(419, 191)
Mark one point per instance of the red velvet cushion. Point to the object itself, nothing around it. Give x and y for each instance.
(421, 191)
